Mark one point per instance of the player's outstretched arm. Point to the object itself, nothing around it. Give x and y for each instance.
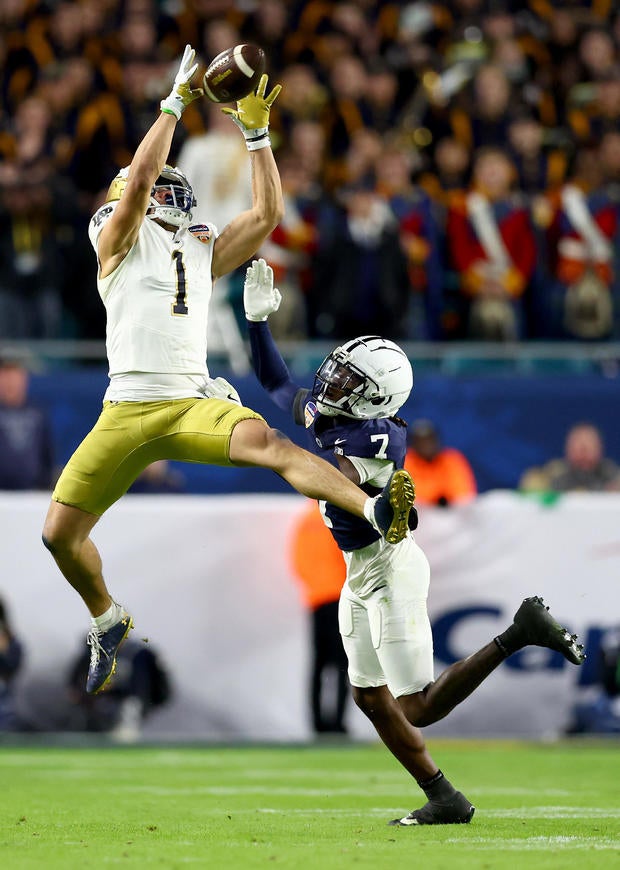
(121, 231)
(260, 299)
(244, 234)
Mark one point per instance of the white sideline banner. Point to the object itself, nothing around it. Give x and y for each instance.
(208, 582)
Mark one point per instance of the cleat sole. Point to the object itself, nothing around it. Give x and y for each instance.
(402, 498)
(543, 630)
(409, 821)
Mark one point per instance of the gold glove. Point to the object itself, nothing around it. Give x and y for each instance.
(252, 115)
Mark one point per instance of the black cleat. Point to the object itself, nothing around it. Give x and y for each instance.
(539, 628)
(393, 506)
(458, 811)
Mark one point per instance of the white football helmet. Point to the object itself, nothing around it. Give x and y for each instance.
(172, 197)
(367, 377)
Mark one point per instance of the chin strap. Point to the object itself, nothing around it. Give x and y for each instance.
(158, 214)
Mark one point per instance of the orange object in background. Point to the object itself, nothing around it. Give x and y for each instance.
(316, 559)
(442, 475)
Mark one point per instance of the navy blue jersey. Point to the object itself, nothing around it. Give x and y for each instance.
(330, 437)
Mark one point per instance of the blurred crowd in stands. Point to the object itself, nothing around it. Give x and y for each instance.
(451, 170)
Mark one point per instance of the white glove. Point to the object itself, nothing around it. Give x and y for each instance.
(219, 388)
(260, 297)
(181, 94)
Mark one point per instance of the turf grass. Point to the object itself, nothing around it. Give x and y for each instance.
(320, 806)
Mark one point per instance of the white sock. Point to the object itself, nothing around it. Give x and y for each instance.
(369, 512)
(113, 614)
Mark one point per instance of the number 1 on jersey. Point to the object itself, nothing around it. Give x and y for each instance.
(179, 306)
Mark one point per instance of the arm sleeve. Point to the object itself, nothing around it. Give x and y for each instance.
(269, 366)
(374, 471)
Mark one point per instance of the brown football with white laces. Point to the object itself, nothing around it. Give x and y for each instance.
(234, 73)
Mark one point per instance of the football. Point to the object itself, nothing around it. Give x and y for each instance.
(234, 73)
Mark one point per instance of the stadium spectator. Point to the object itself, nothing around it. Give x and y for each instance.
(141, 685)
(419, 239)
(348, 111)
(32, 270)
(442, 475)
(26, 448)
(538, 168)
(486, 119)
(11, 657)
(446, 182)
(562, 72)
(320, 570)
(597, 110)
(382, 96)
(303, 99)
(361, 279)
(597, 54)
(492, 248)
(290, 247)
(415, 73)
(358, 168)
(581, 240)
(32, 140)
(307, 143)
(584, 466)
(599, 713)
(449, 173)
(267, 25)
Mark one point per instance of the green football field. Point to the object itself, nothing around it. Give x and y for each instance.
(323, 806)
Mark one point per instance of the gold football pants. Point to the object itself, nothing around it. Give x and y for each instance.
(128, 436)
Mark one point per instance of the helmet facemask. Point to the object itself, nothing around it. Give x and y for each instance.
(172, 198)
(338, 386)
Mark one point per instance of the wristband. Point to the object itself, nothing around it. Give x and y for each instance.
(169, 109)
(256, 139)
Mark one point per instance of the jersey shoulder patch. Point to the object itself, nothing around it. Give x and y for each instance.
(202, 232)
(310, 412)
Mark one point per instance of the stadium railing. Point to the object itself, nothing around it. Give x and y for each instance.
(532, 357)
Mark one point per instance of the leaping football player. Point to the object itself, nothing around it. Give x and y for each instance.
(155, 276)
(350, 416)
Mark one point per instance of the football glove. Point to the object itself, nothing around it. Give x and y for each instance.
(252, 115)
(219, 388)
(181, 94)
(260, 297)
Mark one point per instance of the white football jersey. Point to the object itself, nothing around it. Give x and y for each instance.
(157, 304)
